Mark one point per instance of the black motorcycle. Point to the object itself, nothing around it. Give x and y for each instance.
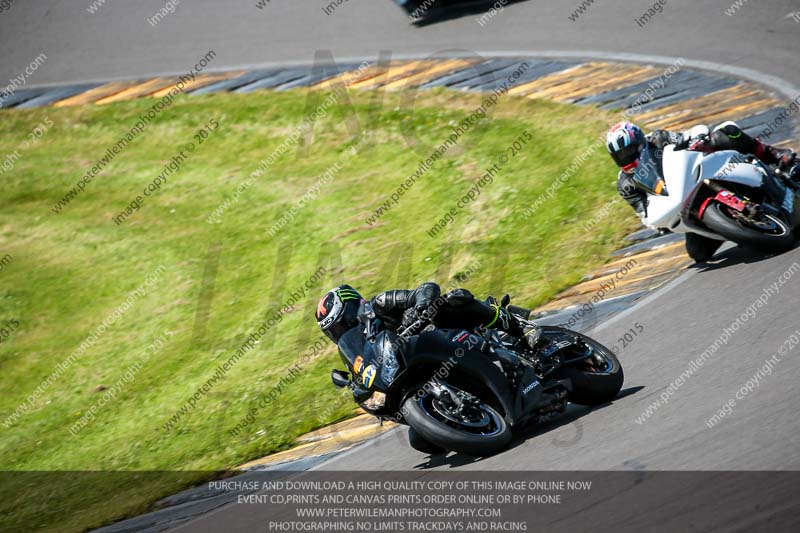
(420, 10)
(467, 391)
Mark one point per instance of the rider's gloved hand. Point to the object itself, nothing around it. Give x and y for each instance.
(683, 142)
(365, 312)
(695, 138)
(424, 298)
(422, 307)
(699, 142)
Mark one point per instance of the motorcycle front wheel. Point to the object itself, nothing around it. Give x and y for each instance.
(479, 431)
(767, 233)
(418, 442)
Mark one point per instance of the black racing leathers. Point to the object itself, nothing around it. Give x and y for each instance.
(390, 306)
(456, 309)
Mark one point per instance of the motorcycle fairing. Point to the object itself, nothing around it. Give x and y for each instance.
(726, 198)
(678, 171)
(351, 348)
(649, 173)
(430, 349)
(435, 349)
(732, 167)
(685, 172)
(529, 395)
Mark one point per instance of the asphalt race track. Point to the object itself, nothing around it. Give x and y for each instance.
(679, 322)
(118, 42)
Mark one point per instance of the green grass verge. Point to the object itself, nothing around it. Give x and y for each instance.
(69, 271)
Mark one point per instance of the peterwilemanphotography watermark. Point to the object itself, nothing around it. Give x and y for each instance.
(729, 332)
(22, 78)
(134, 131)
(484, 181)
(494, 10)
(255, 336)
(111, 392)
(168, 170)
(656, 9)
(117, 314)
(755, 381)
(163, 12)
(8, 328)
(6, 5)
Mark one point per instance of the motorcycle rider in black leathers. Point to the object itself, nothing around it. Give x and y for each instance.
(338, 311)
(341, 309)
(626, 141)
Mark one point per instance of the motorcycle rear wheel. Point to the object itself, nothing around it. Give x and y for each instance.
(773, 236)
(597, 380)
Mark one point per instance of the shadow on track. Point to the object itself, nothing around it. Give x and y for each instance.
(736, 255)
(573, 414)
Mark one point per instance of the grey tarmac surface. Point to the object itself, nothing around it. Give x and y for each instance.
(678, 322)
(118, 42)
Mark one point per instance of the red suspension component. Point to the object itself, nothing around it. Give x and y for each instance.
(724, 197)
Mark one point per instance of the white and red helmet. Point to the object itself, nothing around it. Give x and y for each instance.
(625, 142)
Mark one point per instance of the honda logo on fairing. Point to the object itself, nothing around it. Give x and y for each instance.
(530, 387)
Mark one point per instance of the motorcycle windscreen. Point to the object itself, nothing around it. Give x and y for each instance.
(351, 349)
(373, 364)
(649, 176)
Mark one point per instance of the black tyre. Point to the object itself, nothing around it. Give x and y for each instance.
(421, 445)
(701, 248)
(485, 436)
(768, 233)
(596, 380)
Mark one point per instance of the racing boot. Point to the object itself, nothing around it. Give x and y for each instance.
(730, 136)
(525, 330)
(794, 172)
(787, 159)
(790, 165)
(531, 333)
(784, 158)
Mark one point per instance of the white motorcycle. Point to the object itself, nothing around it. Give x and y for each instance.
(723, 196)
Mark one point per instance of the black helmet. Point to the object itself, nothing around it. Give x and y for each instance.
(337, 311)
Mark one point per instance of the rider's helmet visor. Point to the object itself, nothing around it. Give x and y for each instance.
(627, 158)
(335, 331)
